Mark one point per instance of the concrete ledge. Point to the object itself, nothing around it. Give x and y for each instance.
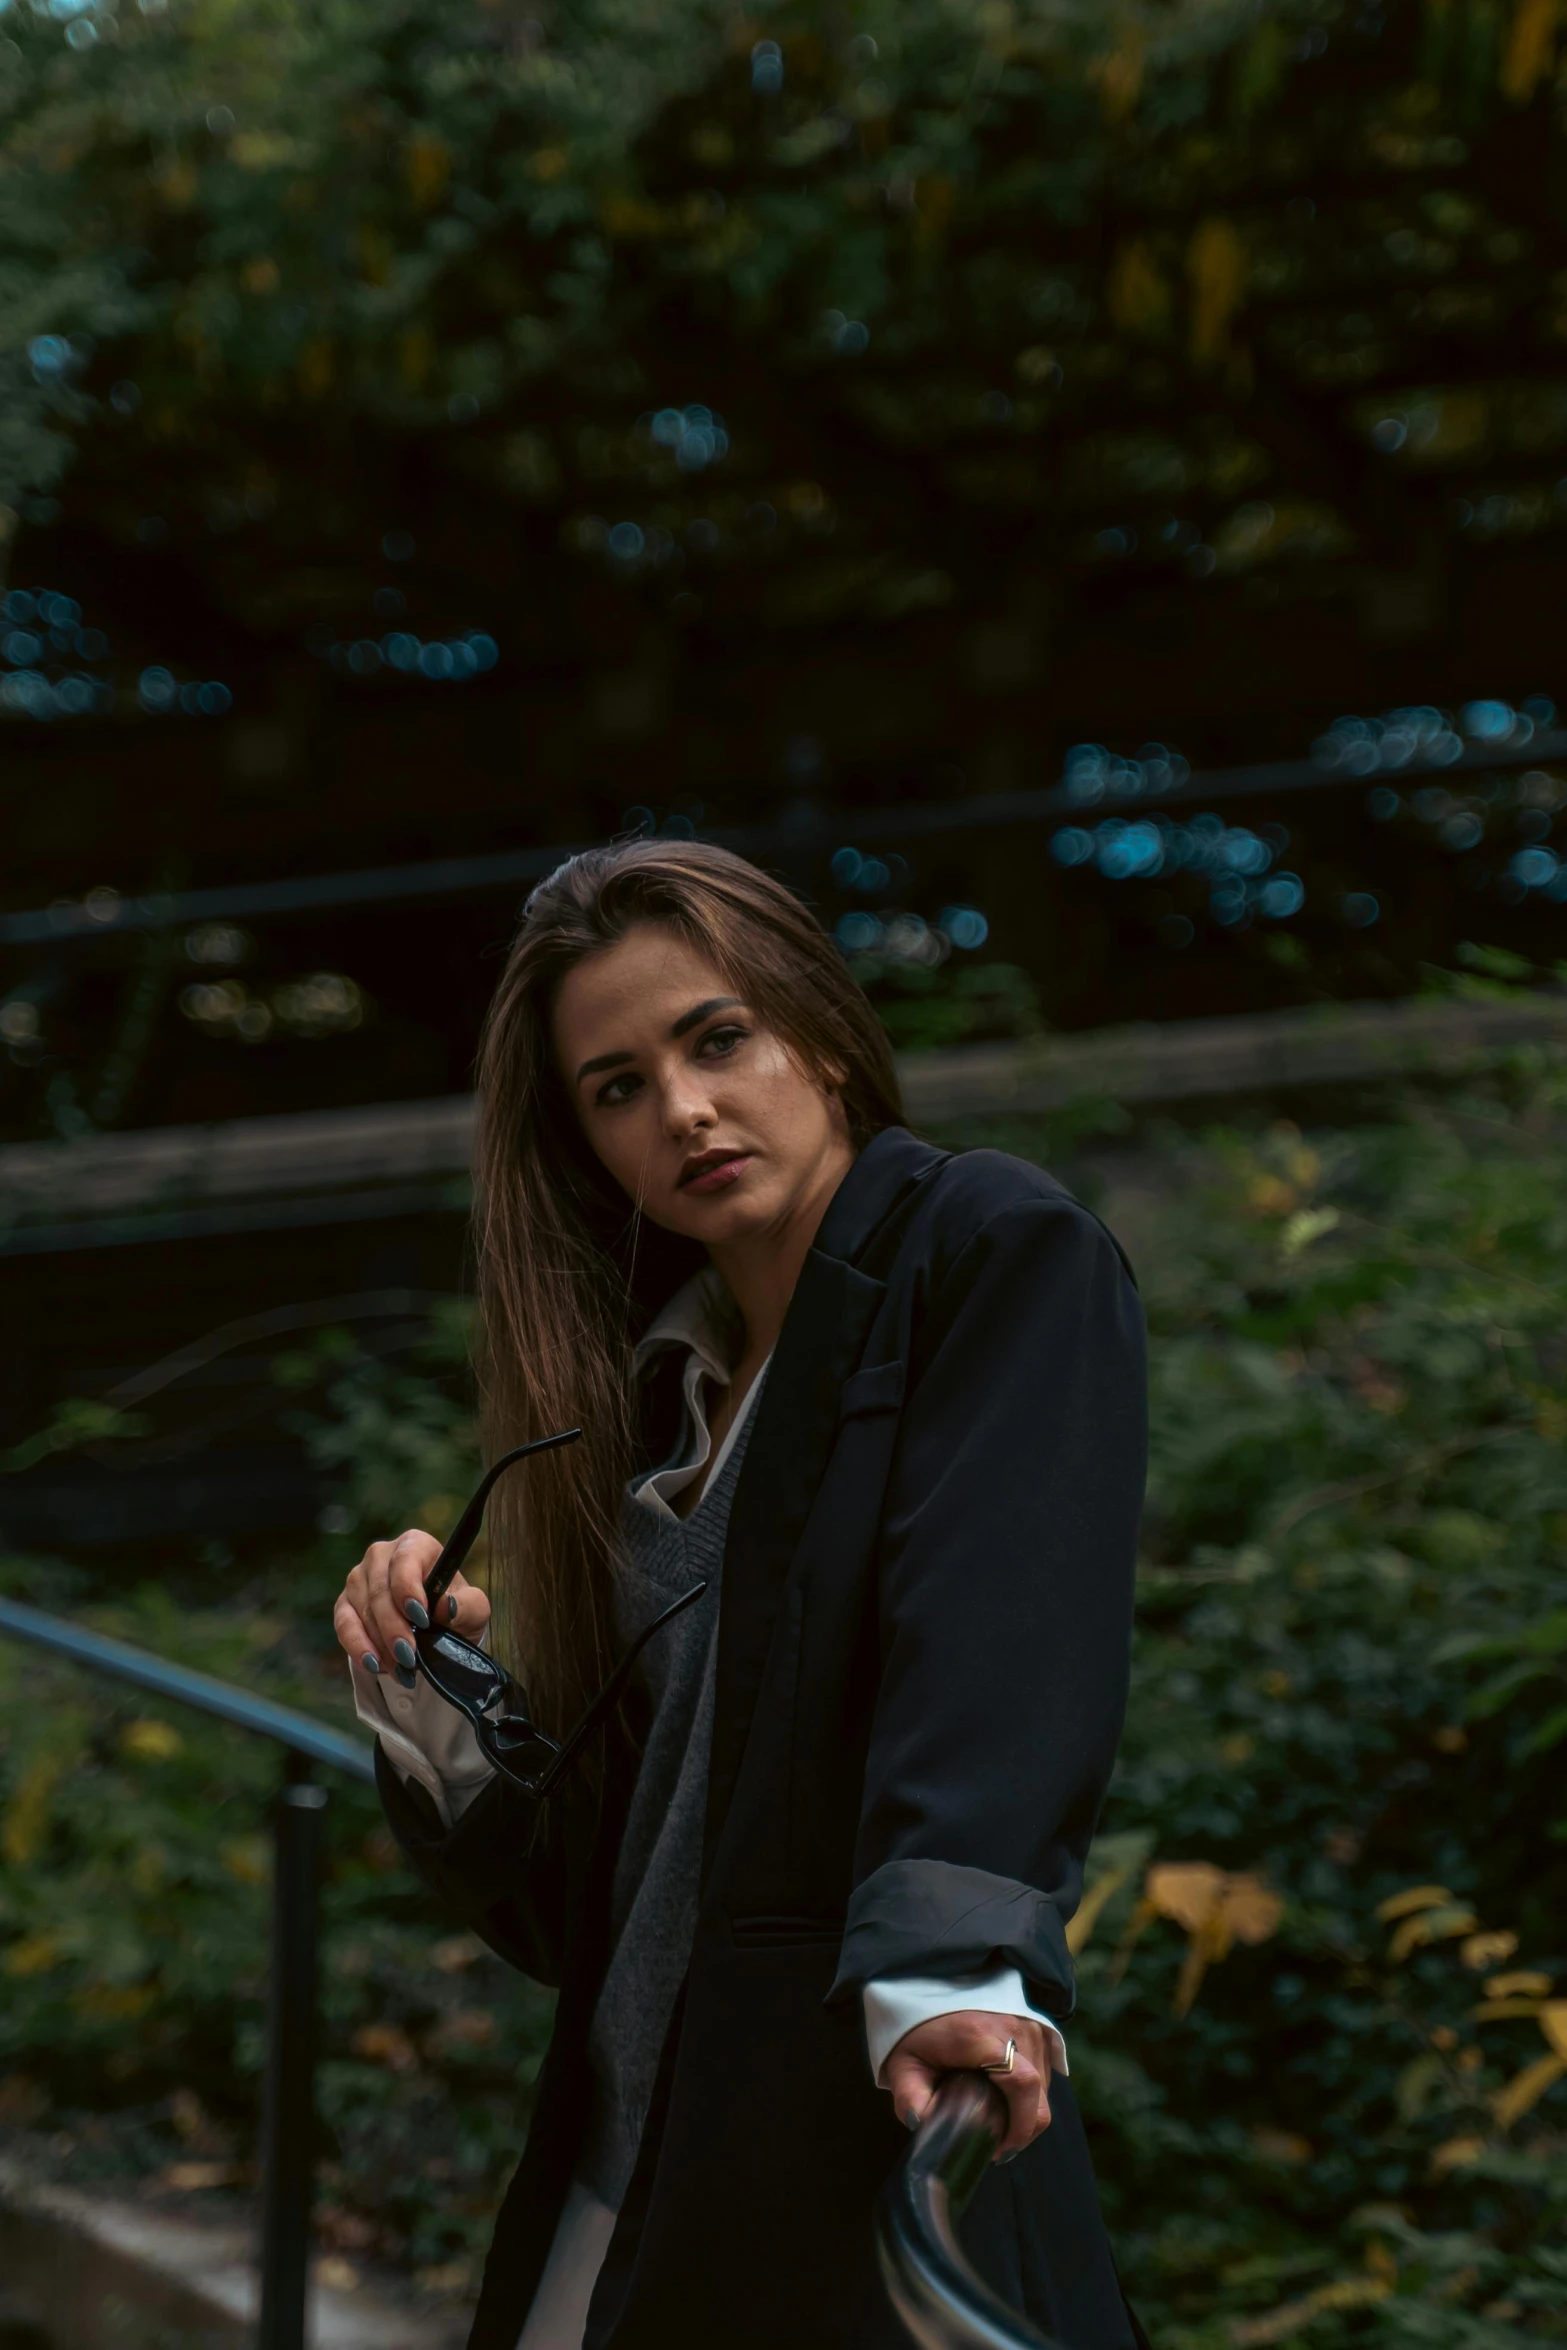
(91, 2273)
(411, 1158)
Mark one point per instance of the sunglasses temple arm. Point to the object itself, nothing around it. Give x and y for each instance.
(612, 1689)
(465, 1533)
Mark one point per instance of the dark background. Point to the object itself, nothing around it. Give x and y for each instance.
(441, 436)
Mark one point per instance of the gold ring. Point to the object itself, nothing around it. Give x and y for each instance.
(1007, 2064)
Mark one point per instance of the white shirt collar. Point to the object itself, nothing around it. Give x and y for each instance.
(702, 1322)
(702, 1318)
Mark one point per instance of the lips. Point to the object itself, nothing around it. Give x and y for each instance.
(714, 1170)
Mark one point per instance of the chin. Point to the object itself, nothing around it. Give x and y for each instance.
(721, 1216)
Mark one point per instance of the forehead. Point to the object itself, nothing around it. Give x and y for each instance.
(636, 988)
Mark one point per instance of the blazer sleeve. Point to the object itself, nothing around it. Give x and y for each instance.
(501, 1870)
(1008, 1554)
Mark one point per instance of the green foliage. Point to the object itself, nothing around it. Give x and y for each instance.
(924, 1008)
(1320, 2046)
(1350, 1676)
(970, 281)
(135, 1862)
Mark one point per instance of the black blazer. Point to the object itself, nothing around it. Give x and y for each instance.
(922, 1667)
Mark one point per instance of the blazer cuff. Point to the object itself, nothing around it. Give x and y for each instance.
(900, 2003)
(431, 1743)
(929, 1917)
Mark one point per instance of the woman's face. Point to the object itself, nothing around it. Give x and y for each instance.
(697, 1108)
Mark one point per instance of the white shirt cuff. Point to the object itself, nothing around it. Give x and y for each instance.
(425, 1739)
(899, 2002)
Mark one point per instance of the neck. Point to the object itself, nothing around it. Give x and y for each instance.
(761, 1270)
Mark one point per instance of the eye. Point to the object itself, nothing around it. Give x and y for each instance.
(609, 1095)
(722, 1041)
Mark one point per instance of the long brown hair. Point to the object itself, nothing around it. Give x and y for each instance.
(568, 1271)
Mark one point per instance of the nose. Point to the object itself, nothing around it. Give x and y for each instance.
(688, 1109)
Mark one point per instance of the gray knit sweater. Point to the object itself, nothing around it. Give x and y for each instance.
(658, 1869)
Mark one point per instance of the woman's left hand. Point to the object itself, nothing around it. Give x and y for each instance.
(968, 2041)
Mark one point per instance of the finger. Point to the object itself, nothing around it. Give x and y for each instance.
(911, 2084)
(381, 1618)
(1024, 2090)
(352, 1637)
(413, 1555)
(465, 1609)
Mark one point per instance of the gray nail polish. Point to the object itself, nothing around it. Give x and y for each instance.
(372, 1664)
(403, 1650)
(912, 2119)
(1012, 2157)
(451, 1609)
(414, 1610)
(405, 1679)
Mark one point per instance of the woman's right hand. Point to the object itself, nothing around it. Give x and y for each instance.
(383, 1601)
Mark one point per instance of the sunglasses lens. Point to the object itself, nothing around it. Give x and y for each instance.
(460, 1667)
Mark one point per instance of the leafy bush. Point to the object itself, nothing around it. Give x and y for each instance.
(134, 1887)
(1318, 2044)
(1343, 1757)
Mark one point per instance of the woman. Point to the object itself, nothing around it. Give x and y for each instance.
(889, 1403)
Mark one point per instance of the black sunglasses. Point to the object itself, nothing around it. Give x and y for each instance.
(484, 1691)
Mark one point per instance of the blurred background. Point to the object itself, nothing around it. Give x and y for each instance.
(1081, 490)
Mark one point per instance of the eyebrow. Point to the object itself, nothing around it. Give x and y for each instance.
(686, 1022)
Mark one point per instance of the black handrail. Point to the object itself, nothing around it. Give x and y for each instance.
(935, 2292)
(941, 2301)
(288, 2102)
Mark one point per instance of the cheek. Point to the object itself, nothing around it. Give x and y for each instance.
(620, 1145)
(793, 1107)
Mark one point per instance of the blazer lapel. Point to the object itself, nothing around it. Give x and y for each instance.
(822, 1340)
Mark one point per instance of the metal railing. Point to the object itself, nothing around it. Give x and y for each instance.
(288, 2096)
(935, 2292)
(941, 2301)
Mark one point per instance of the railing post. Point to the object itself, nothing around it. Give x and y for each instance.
(288, 2104)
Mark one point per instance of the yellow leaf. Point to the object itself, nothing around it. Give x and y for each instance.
(246, 1859)
(1483, 1950)
(1456, 2153)
(1292, 2317)
(1500, 2011)
(316, 365)
(260, 150)
(385, 2044)
(1525, 1984)
(1216, 262)
(114, 2003)
(1553, 2023)
(1186, 1891)
(1399, 1905)
(150, 1741)
(27, 1818)
(1121, 73)
(1210, 1942)
(1429, 1925)
(1305, 1226)
(1251, 1909)
(1138, 296)
(1286, 2146)
(34, 1954)
(429, 169)
(188, 2177)
(1531, 49)
(1526, 2089)
(1086, 1916)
